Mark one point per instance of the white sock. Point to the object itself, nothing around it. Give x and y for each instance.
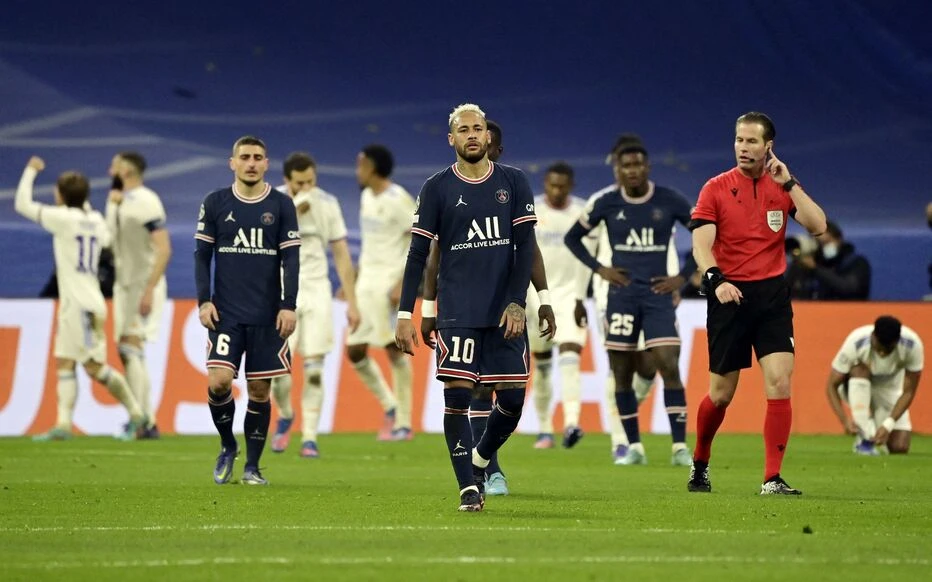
(281, 394)
(542, 388)
(119, 388)
(312, 398)
(639, 447)
(619, 437)
(569, 377)
(641, 386)
(402, 381)
(477, 459)
(67, 394)
(372, 378)
(859, 399)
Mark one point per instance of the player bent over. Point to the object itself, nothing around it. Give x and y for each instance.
(253, 231)
(78, 235)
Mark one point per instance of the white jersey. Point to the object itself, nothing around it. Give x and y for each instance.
(385, 226)
(319, 225)
(856, 349)
(566, 275)
(78, 234)
(132, 223)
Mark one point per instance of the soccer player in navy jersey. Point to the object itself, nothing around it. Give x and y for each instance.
(482, 214)
(253, 231)
(639, 218)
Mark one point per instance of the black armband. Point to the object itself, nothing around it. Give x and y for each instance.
(711, 279)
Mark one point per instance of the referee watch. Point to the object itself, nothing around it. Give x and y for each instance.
(788, 185)
(711, 279)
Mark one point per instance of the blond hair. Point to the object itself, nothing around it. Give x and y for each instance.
(464, 108)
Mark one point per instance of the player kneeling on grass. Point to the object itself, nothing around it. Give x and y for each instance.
(78, 234)
(877, 372)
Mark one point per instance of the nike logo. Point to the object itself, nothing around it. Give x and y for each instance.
(229, 217)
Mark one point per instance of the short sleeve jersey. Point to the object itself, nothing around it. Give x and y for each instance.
(856, 349)
(247, 234)
(319, 225)
(78, 237)
(473, 221)
(140, 213)
(565, 273)
(750, 215)
(385, 225)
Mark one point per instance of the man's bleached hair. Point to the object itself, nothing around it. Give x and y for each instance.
(465, 107)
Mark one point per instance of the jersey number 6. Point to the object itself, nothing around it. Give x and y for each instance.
(223, 344)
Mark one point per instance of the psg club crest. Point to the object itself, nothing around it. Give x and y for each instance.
(267, 218)
(657, 214)
(502, 196)
(775, 220)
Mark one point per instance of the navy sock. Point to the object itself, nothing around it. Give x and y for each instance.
(627, 403)
(222, 407)
(457, 433)
(256, 428)
(479, 411)
(502, 422)
(675, 401)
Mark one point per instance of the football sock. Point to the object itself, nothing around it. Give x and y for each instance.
(67, 394)
(614, 420)
(222, 407)
(708, 419)
(281, 394)
(569, 378)
(136, 375)
(117, 386)
(372, 378)
(256, 428)
(402, 381)
(457, 434)
(641, 386)
(627, 404)
(502, 422)
(675, 401)
(480, 407)
(542, 387)
(859, 399)
(312, 398)
(777, 425)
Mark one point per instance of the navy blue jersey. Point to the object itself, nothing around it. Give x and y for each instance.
(639, 229)
(474, 222)
(251, 239)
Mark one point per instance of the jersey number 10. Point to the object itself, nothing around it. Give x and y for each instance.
(88, 254)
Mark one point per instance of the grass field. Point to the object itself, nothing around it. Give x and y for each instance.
(97, 509)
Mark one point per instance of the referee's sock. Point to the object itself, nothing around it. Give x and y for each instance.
(777, 425)
(708, 419)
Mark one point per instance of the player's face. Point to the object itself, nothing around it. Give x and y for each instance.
(301, 181)
(882, 350)
(115, 166)
(469, 136)
(750, 147)
(557, 188)
(364, 170)
(249, 164)
(632, 170)
(495, 147)
(59, 201)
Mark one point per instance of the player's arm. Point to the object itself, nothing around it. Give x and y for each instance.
(429, 301)
(574, 241)
(548, 320)
(203, 256)
(910, 384)
(289, 248)
(343, 262)
(423, 232)
(835, 379)
(704, 228)
(162, 252)
(807, 212)
(24, 204)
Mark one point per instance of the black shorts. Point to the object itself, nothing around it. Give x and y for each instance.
(267, 354)
(763, 321)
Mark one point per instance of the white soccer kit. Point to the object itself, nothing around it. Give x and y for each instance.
(385, 224)
(567, 277)
(320, 222)
(886, 372)
(132, 222)
(78, 235)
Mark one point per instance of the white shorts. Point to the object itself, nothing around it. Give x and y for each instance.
(564, 304)
(80, 335)
(377, 314)
(313, 336)
(126, 318)
(884, 395)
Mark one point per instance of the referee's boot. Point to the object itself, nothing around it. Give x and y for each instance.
(699, 478)
(777, 486)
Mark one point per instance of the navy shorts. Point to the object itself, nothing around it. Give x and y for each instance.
(630, 311)
(267, 354)
(481, 355)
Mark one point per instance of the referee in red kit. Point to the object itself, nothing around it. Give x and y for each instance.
(739, 228)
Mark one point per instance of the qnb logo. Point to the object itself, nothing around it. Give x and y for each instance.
(251, 240)
(491, 229)
(292, 234)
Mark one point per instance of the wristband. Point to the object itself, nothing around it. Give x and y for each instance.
(404, 315)
(544, 296)
(888, 423)
(428, 308)
(711, 279)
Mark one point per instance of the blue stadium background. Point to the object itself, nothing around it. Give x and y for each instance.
(849, 84)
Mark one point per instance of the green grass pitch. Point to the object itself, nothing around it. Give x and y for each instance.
(97, 509)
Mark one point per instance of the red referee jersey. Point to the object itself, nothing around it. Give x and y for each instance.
(750, 216)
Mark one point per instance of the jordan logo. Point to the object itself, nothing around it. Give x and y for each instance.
(460, 201)
(621, 215)
(229, 217)
(459, 446)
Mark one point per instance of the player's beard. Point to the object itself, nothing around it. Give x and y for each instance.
(473, 157)
(249, 183)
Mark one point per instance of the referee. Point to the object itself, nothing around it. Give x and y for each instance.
(739, 228)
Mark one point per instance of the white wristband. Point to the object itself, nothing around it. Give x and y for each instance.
(404, 315)
(544, 296)
(888, 423)
(428, 308)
